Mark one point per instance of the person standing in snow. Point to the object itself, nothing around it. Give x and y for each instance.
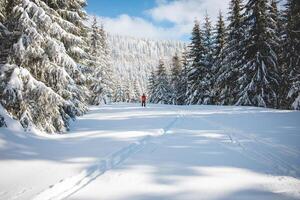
(144, 98)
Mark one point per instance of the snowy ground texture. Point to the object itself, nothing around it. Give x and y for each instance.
(124, 151)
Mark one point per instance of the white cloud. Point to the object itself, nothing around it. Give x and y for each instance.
(185, 11)
(138, 27)
(181, 13)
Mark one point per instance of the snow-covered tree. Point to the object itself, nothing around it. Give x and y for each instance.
(42, 84)
(277, 26)
(176, 71)
(259, 81)
(32, 102)
(197, 69)
(72, 18)
(131, 95)
(2, 10)
(219, 56)
(228, 72)
(291, 57)
(151, 86)
(162, 91)
(200, 70)
(183, 78)
(208, 42)
(207, 78)
(135, 58)
(108, 79)
(93, 70)
(136, 92)
(220, 38)
(119, 94)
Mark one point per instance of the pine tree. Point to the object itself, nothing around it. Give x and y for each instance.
(275, 16)
(72, 18)
(228, 72)
(151, 86)
(42, 83)
(162, 91)
(107, 77)
(291, 56)
(68, 21)
(219, 56)
(94, 69)
(197, 69)
(136, 92)
(2, 11)
(220, 38)
(208, 43)
(119, 94)
(259, 81)
(176, 72)
(207, 78)
(183, 78)
(6, 9)
(277, 26)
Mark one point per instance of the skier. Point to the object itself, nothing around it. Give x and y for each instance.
(144, 100)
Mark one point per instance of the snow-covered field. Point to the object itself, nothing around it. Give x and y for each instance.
(124, 151)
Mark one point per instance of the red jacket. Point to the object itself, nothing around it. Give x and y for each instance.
(143, 98)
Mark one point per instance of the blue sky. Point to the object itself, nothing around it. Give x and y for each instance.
(158, 19)
(114, 8)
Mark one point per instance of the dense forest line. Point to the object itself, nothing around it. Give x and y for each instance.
(254, 61)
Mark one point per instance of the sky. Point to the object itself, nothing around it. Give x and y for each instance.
(155, 19)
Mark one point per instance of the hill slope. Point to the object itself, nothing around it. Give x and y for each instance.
(135, 58)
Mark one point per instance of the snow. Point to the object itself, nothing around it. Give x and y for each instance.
(124, 151)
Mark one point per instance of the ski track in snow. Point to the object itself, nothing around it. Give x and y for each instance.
(20, 193)
(267, 156)
(66, 187)
(252, 146)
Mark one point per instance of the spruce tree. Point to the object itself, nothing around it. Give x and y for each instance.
(94, 68)
(228, 72)
(219, 56)
(206, 86)
(292, 54)
(136, 91)
(41, 81)
(162, 90)
(220, 38)
(197, 70)
(176, 72)
(278, 28)
(183, 78)
(151, 86)
(259, 79)
(119, 94)
(107, 78)
(2, 11)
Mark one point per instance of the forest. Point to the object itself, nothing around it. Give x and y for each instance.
(54, 65)
(252, 61)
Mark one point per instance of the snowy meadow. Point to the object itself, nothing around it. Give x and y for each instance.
(123, 151)
(221, 90)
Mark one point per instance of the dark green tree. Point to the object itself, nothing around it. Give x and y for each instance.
(259, 79)
(228, 72)
(197, 70)
(219, 56)
(291, 57)
(176, 71)
(162, 91)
